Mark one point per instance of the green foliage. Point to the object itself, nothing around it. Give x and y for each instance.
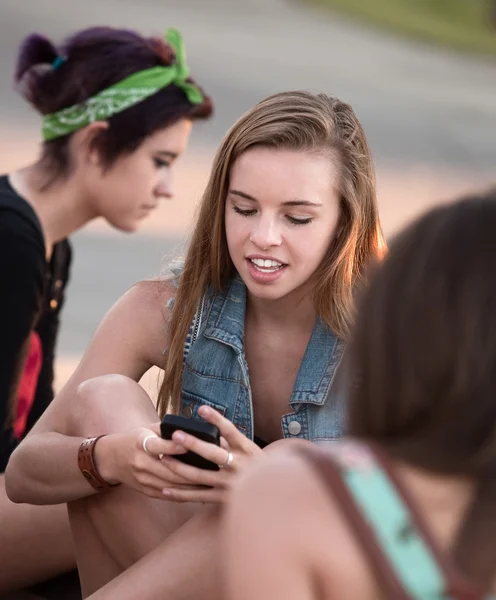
(462, 24)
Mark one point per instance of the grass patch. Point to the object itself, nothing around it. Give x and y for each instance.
(461, 24)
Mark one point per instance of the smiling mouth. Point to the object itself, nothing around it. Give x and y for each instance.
(266, 266)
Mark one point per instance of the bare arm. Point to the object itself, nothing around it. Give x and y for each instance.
(129, 341)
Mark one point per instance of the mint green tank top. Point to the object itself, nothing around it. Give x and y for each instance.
(397, 541)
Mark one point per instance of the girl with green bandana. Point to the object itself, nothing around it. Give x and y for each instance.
(117, 111)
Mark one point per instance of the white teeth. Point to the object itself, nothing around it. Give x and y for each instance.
(265, 264)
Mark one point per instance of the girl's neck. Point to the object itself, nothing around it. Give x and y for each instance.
(294, 311)
(61, 208)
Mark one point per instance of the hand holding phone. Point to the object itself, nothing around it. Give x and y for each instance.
(196, 427)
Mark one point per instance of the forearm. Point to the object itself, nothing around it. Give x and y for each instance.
(44, 470)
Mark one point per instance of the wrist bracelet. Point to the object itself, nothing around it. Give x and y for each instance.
(87, 465)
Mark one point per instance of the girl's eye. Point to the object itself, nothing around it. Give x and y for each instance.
(160, 163)
(244, 213)
(251, 212)
(294, 221)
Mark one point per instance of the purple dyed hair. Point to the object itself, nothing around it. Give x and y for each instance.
(95, 59)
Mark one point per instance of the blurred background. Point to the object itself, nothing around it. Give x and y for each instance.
(421, 74)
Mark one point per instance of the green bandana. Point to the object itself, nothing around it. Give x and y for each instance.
(124, 94)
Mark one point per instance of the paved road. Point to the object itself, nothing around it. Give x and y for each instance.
(430, 115)
(418, 105)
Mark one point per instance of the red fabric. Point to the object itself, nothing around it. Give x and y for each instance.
(27, 386)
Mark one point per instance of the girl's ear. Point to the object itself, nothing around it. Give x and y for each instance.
(85, 141)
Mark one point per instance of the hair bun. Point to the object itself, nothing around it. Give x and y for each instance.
(34, 50)
(165, 53)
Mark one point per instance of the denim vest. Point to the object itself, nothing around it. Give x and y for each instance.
(215, 371)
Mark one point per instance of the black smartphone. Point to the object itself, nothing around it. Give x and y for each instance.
(200, 429)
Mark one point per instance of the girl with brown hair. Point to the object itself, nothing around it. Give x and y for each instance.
(404, 509)
(250, 340)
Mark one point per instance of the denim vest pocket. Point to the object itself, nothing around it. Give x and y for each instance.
(190, 403)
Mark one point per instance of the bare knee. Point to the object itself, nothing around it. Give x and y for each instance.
(110, 404)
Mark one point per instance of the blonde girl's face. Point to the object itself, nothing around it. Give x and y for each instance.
(281, 215)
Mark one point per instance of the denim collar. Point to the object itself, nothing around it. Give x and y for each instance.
(226, 318)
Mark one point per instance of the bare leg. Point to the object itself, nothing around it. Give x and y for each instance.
(161, 549)
(187, 566)
(35, 542)
(114, 530)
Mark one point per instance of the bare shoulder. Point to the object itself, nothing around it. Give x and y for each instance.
(283, 472)
(132, 336)
(271, 491)
(288, 465)
(150, 296)
(287, 499)
(142, 314)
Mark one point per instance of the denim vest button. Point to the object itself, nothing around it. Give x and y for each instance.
(294, 428)
(187, 412)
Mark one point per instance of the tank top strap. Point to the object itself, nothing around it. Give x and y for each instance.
(395, 537)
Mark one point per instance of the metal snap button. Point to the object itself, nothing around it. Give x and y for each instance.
(187, 412)
(294, 428)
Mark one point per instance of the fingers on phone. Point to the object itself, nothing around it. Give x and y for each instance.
(207, 450)
(156, 446)
(192, 475)
(155, 427)
(161, 470)
(227, 429)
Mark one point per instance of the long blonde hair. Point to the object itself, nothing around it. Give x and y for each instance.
(296, 121)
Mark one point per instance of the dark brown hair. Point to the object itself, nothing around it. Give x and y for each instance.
(424, 349)
(92, 60)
